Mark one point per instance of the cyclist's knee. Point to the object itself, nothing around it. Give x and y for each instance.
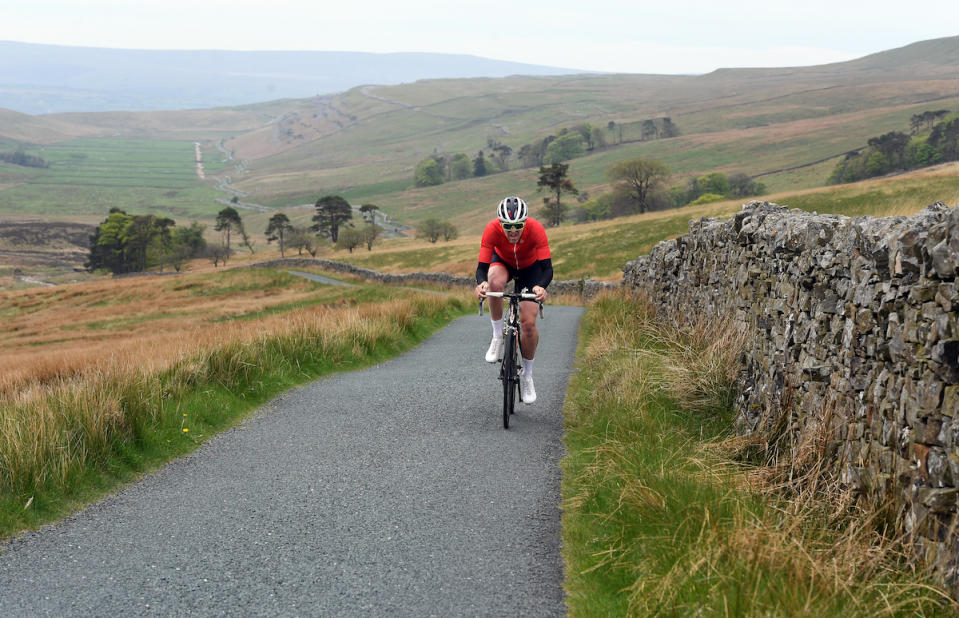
(498, 278)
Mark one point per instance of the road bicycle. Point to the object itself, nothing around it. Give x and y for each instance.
(511, 367)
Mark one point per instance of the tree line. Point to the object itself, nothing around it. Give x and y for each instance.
(20, 157)
(933, 138)
(638, 186)
(568, 143)
(125, 243)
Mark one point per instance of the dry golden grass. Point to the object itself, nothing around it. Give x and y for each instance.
(64, 409)
(49, 333)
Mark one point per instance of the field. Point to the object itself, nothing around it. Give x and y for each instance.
(597, 249)
(786, 127)
(100, 381)
(89, 176)
(55, 332)
(600, 249)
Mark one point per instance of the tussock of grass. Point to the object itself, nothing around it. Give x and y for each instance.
(64, 437)
(663, 516)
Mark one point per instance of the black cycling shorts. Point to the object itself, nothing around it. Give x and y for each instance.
(525, 278)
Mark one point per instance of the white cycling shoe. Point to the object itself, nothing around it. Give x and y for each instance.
(527, 391)
(495, 352)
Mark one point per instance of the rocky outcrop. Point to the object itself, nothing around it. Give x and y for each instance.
(854, 337)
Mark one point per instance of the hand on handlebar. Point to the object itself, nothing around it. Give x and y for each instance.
(540, 293)
(481, 290)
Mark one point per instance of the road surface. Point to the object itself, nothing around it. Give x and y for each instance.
(392, 491)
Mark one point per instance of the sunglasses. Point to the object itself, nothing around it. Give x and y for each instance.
(513, 226)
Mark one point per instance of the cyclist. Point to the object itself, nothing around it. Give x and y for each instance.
(514, 247)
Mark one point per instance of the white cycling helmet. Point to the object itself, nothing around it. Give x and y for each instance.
(512, 210)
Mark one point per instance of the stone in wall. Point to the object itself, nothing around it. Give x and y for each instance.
(854, 339)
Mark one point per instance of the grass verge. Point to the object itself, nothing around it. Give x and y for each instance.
(662, 514)
(67, 441)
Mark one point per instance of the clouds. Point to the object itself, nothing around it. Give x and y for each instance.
(680, 36)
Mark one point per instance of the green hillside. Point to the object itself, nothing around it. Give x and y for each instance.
(780, 125)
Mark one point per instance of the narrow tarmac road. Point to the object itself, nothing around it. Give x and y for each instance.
(392, 491)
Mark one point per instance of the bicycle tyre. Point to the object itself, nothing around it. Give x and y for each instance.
(510, 383)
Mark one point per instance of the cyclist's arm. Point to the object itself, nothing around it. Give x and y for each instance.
(545, 272)
(482, 272)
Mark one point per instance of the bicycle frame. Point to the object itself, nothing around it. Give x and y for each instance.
(511, 367)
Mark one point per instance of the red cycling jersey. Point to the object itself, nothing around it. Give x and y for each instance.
(532, 246)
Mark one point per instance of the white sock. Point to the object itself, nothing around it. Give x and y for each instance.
(497, 328)
(527, 367)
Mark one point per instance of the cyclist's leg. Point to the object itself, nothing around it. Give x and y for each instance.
(528, 311)
(498, 277)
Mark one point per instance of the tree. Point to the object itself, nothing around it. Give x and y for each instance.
(924, 155)
(716, 183)
(218, 253)
(278, 227)
(428, 173)
(191, 237)
(479, 166)
(585, 131)
(448, 231)
(431, 229)
(612, 126)
(640, 176)
(368, 211)
(247, 242)
(147, 235)
(501, 153)
(876, 165)
(303, 239)
(668, 129)
(598, 137)
(107, 243)
(349, 239)
(227, 220)
(332, 211)
(370, 234)
(187, 243)
(893, 146)
(564, 148)
(649, 130)
(460, 166)
(555, 179)
(741, 185)
(125, 243)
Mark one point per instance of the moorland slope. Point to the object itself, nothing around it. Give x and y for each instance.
(783, 125)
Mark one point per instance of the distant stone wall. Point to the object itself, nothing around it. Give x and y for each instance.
(584, 287)
(853, 325)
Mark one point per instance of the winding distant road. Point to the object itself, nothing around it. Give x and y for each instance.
(392, 491)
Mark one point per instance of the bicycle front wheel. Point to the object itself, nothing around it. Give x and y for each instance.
(510, 381)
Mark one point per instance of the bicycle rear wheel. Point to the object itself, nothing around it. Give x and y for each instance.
(510, 380)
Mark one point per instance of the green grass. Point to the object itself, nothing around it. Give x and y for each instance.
(883, 198)
(753, 121)
(658, 518)
(89, 176)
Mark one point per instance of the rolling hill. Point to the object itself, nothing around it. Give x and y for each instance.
(43, 79)
(783, 125)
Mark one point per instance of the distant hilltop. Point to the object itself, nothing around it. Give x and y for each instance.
(44, 79)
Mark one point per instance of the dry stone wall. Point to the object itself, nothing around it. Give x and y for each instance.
(853, 325)
(584, 287)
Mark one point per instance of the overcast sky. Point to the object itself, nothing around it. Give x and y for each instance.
(626, 36)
